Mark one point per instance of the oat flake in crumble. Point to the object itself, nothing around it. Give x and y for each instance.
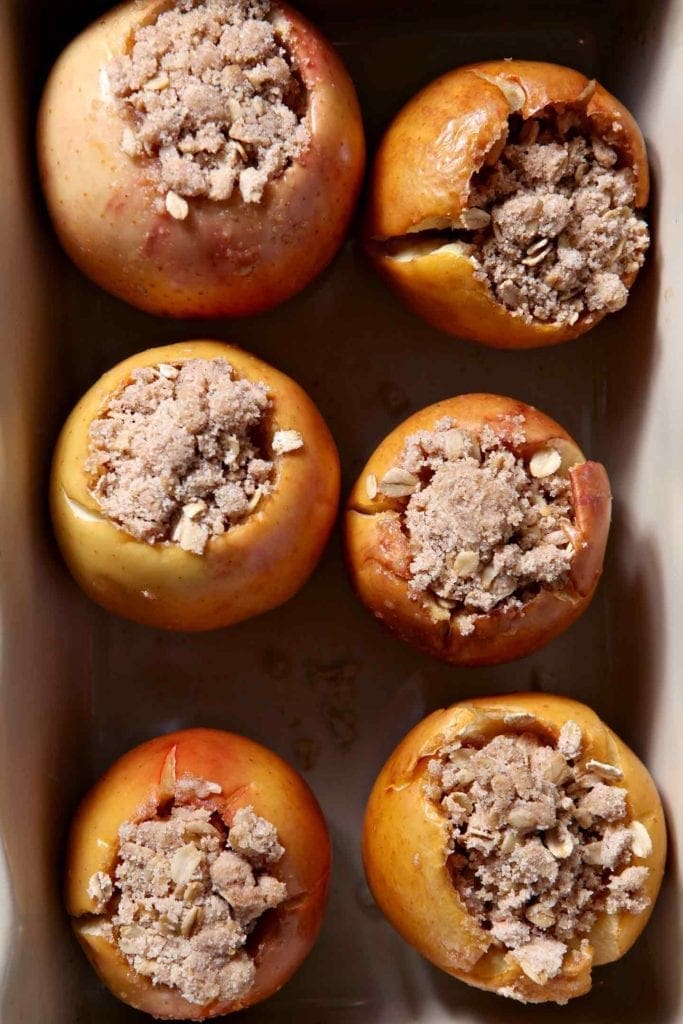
(538, 844)
(562, 232)
(211, 90)
(483, 533)
(187, 895)
(177, 453)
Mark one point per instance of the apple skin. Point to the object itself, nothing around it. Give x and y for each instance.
(249, 775)
(404, 843)
(227, 258)
(254, 566)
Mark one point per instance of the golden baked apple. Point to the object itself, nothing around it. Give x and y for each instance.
(477, 530)
(504, 203)
(193, 486)
(197, 874)
(201, 157)
(516, 842)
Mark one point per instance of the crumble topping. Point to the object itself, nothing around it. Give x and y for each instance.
(179, 453)
(538, 844)
(186, 895)
(556, 227)
(211, 90)
(100, 890)
(485, 530)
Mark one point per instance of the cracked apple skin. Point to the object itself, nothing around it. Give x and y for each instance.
(378, 552)
(227, 258)
(249, 774)
(404, 839)
(254, 566)
(422, 172)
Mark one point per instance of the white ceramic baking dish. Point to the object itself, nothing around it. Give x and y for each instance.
(317, 680)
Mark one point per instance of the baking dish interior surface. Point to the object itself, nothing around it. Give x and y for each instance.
(316, 680)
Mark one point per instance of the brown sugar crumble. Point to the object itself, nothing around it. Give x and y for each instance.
(556, 232)
(179, 454)
(211, 91)
(186, 895)
(539, 844)
(485, 529)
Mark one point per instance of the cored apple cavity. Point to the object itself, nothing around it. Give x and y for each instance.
(486, 529)
(539, 840)
(550, 223)
(211, 92)
(187, 892)
(181, 453)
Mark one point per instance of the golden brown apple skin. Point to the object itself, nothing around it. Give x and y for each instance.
(404, 848)
(422, 172)
(249, 774)
(253, 567)
(227, 258)
(378, 554)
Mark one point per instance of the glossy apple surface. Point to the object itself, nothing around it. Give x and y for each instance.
(404, 847)
(227, 258)
(378, 551)
(254, 566)
(421, 179)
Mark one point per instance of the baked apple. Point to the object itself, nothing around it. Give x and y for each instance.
(193, 486)
(516, 842)
(477, 530)
(200, 157)
(504, 204)
(197, 874)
